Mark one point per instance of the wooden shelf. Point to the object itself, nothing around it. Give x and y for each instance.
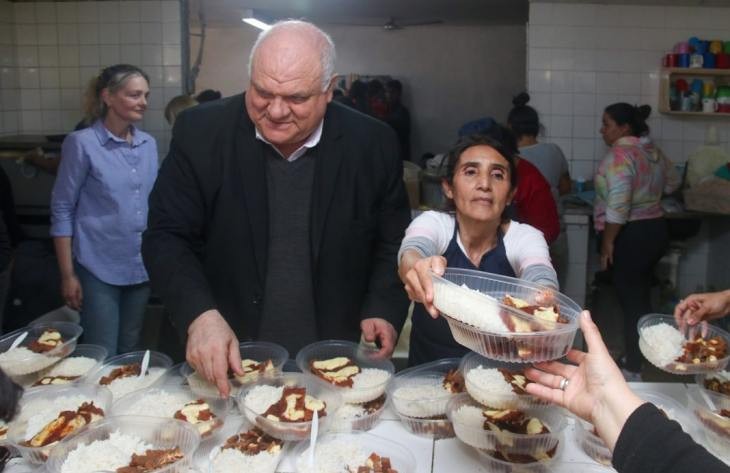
(665, 79)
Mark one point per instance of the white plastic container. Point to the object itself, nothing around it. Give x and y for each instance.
(159, 364)
(705, 405)
(206, 457)
(364, 357)
(94, 352)
(481, 302)
(30, 362)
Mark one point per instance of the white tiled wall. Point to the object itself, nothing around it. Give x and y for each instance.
(50, 50)
(583, 57)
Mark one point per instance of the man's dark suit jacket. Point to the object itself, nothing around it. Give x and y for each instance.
(206, 242)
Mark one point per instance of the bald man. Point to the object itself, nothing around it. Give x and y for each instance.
(278, 213)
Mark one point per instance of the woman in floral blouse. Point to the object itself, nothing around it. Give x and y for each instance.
(628, 215)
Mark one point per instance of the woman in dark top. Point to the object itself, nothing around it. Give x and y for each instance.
(641, 437)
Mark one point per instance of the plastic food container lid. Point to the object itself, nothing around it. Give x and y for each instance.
(257, 351)
(653, 353)
(362, 356)
(482, 304)
(35, 362)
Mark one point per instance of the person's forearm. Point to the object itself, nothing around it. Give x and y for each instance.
(407, 260)
(611, 413)
(610, 232)
(64, 256)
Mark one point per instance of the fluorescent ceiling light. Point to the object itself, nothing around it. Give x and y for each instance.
(250, 17)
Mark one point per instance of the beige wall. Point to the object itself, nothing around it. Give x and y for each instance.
(450, 74)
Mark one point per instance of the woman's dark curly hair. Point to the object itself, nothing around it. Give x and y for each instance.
(626, 114)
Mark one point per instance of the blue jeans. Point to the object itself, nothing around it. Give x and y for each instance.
(112, 316)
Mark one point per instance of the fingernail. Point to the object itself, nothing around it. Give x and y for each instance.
(586, 315)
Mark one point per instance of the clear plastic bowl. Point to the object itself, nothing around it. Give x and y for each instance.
(362, 356)
(401, 458)
(721, 375)
(204, 457)
(561, 467)
(592, 443)
(520, 347)
(96, 352)
(495, 399)
(649, 352)
(258, 351)
(364, 422)
(716, 428)
(157, 368)
(160, 433)
(293, 431)
(128, 405)
(674, 409)
(38, 398)
(474, 434)
(414, 412)
(495, 465)
(35, 362)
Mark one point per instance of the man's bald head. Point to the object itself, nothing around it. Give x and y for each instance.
(294, 40)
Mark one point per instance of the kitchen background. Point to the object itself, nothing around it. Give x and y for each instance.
(573, 58)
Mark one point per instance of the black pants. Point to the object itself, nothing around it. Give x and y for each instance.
(637, 249)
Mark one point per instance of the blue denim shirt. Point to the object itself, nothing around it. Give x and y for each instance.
(100, 199)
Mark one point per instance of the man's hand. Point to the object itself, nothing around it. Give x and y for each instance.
(212, 348)
(381, 330)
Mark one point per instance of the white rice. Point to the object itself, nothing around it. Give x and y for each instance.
(334, 456)
(161, 403)
(468, 424)
(661, 344)
(487, 386)
(259, 398)
(231, 460)
(20, 361)
(72, 366)
(110, 454)
(121, 386)
(38, 414)
(426, 398)
(367, 385)
(469, 306)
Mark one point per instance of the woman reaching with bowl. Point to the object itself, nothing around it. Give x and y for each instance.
(475, 234)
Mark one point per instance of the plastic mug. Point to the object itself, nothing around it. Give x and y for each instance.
(709, 105)
(686, 103)
(708, 61)
(696, 61)
(580, 184)
(683, 60)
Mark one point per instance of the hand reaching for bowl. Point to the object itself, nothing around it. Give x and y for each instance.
(699, 307)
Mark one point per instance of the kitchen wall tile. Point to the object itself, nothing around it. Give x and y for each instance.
(629, 83)
(156, 100)
(8, 78)
(154, 120)
(582, 169)
(131, 53)
(540, 102)
(541, 36)
(671, 128)
(86, 73)
(28, 78)
(584, 105)
(151, 33)
(168, 93)
(7, 56)
(562, 59)
(70, 99)
(30, 99)
(171, 33)
(67, 12)
(69, 119)
(584, 82)
(672, 149)
(541, 13)
(129, 33)
(27, 56)
(26, 34)
(561, 38)
(585, 60)
(583, 37)
(109, 33)
(68, 34)
(173, 76)
(171, 55)
(574, 14)
(583, 128)
(654, 122)
(49, 77)
(561, 104)
(69, 77)
(155, 73)
(561, 126)
(10, 122)
(31, 121)
(539, 81)
(583, 149)
(24, 13)
(651, 16)
(108, 12)
(50, 99)
(48, 56)
(109, 54)
(68, 56)
(608, 15)
(129, 12)
(604, 100)
(689, 147)
(561, 81)
(653, 40)
(88, 12)
(170, 11)
(45, 12)
(539, 58)
(694, 130)
(150, 11)
(6, 34)
(51, 120)
(89, 55)
(7, 12)
(607, 82)
(11, 99)
(89, 33)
